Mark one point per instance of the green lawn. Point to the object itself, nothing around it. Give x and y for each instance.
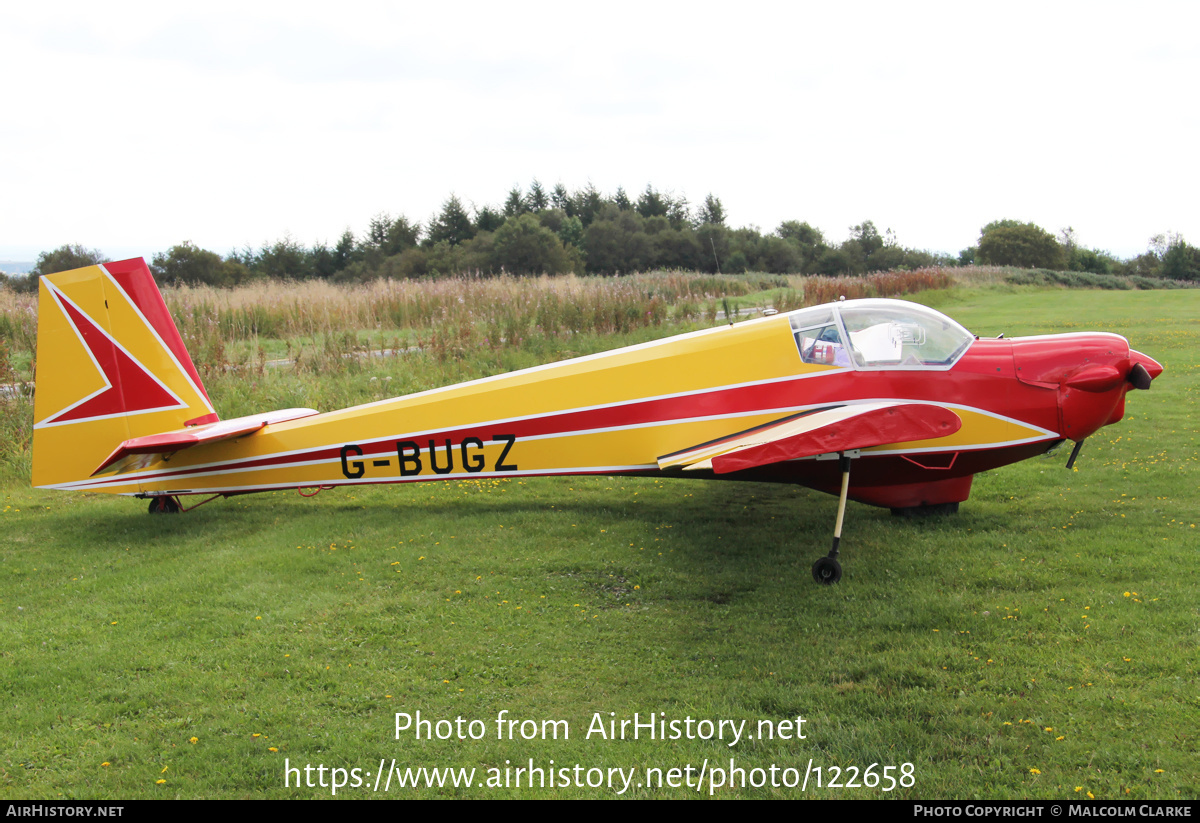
(1041, 643)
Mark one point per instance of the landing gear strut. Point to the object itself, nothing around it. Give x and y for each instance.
(827, 569)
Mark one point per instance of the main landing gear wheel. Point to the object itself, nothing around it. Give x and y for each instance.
(164, 505)
(827, 570)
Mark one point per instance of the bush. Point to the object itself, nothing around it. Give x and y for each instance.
(1181, 261)
(1025, 245)
(524, 246)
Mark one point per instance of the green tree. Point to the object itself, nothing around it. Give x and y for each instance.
(799, 233)
(1011, 243)
(713, 242)
(1091, 260)
(652, 204)
(401, 234)
(616, 242)
(1069, 243)
(515, 205)
(187, 263)
(344, 253)
(1180, 261)
(285, 259)
(452, 225)
(377, 231)
(561, 199)
(863, 248)
(570, 232)
(538, 198)
(808, 241)
(737, 263)
(488, 219)
(782, 257)
(586, 204)
(525, 246)
(322, 261)
(655, 224)
(64, 258)
(711, 212)
(834, 262)
(386, 237)
(746, 246)
(1149, 263)
(679, 212)
(674, 248)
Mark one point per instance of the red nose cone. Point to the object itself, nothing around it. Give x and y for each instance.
(1152, 366)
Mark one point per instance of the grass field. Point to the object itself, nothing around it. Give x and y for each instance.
(1042, 643)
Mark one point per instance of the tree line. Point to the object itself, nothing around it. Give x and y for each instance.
(537, 231)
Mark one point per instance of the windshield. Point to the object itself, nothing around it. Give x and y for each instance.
(893, 333)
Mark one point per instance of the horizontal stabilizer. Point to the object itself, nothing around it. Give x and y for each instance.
(843, 428)
(173, 441)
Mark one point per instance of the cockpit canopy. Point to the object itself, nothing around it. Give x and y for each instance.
(878, 334)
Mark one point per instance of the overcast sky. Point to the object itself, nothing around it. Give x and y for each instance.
(130, 128)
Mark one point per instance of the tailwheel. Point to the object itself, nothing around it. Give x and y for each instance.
(827, 570)
(164, 505)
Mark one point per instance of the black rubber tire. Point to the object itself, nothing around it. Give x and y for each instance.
(164, 505)
(827, 571)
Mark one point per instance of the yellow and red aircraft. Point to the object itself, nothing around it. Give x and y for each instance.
(913, 400)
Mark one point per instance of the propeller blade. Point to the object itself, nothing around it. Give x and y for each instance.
(1139, 377)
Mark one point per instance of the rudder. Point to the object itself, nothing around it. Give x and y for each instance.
(111, 366)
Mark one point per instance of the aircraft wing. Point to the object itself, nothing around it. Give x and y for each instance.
(173, 441)
(841, 428)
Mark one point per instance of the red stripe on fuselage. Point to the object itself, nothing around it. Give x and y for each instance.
(974, 390)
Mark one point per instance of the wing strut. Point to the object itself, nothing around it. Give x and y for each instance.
(827, 569)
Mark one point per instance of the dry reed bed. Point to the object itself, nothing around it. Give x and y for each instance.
(469, 310)
(505, 308)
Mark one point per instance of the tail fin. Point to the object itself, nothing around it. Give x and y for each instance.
(111, 366)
